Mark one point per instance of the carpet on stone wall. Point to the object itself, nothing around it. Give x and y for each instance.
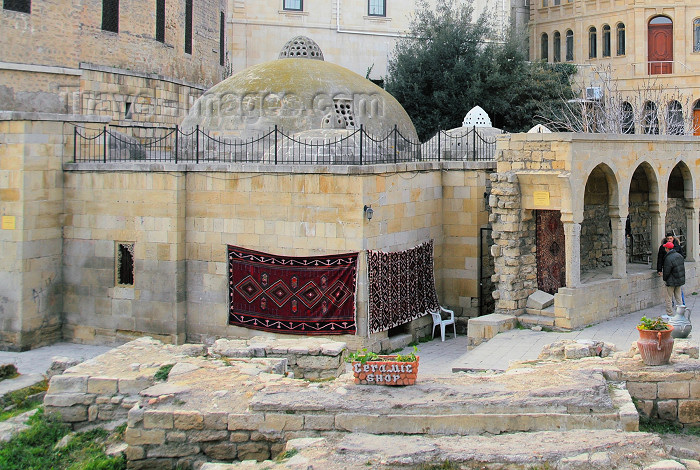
(294, 295)
(401, 286)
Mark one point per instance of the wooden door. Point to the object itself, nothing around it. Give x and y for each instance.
(696, 121)
(551, 254)
(660, 48)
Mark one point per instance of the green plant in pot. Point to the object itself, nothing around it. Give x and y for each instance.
(655, 342)
(370, 368)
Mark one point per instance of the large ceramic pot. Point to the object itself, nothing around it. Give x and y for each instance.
(386, 370)
(655, 346)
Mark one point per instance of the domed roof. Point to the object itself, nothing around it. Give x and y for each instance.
(302, 47)
(477, 117)
(297, 95)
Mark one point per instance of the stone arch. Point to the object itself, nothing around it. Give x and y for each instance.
(643, 194)
(600, 198)
(679, 197)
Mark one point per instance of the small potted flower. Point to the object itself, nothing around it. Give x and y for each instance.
(655, 341)
(374, 369)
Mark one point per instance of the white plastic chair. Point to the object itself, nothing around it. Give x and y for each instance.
(438, 321)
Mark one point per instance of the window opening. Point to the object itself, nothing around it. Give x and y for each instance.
(22, 6)
(544, 46)
(160, 20)
(569, 46)
(675, 118)
(188, 26)
(627, 118)
(125, 264)
(222, 38)
(557, 47)
(606, 41)
(297, 5)
(376, 7)
(592, 43)
(127, 110)
(621, 39)
(650, 119)
(343, 107)
(110, 15)
(696, 35)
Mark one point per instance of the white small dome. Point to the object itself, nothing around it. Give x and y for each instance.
(539, 129)
(477, 117)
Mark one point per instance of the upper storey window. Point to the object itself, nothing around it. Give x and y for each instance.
(22, 6)
(592, 43)
(188, 26)
(606, 41)
(376, 7)
(569, 46)
(160, 20)
(620, 39)
(544, 47)
(110, 15)
(557, 47)
(696, 35)
(297, 5)
(660, 42)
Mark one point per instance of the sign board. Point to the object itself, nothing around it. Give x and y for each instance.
(8, 222)
(541, 198)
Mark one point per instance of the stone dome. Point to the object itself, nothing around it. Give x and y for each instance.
(477, 117)
(297, 95)
(302, 47)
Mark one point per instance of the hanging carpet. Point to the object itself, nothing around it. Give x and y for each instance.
(401, 286)
(293, 295)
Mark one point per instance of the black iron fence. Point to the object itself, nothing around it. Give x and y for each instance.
(351, 147)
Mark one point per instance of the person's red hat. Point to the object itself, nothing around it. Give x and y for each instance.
(668, 245)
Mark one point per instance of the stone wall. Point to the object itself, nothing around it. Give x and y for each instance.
(31, 250)
(187, 216)
(596, 237)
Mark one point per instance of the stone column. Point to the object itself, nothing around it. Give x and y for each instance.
(572, 243)
(693, 232)
(619, 252)
(657, 217)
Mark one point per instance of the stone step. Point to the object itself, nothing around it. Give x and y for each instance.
(484, 328)
(399, 341)
(533, 320)
(519, 401)
(546, 312)
(554, 449)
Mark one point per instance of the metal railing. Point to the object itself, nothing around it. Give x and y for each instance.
(353, 147)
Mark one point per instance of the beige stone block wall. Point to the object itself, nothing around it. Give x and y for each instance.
(146, 209)
(31, 201)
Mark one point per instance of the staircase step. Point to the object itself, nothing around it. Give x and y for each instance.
(542, 320)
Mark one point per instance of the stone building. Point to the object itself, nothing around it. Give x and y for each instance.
(639, 44)
(135, 61)
(581, 216)
(70, 223)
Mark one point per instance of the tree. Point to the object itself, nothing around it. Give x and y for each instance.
(448, 63)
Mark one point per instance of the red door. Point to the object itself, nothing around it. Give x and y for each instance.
(696, 121)
(660, 46)
(551, 259)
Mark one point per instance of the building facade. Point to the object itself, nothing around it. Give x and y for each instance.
(641, 46)
(357, 35)
(131, 60)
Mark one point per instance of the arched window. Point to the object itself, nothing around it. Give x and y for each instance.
(650, 119)
(544, 47)
(627, 118)
(569, 45)
(675, 118)
(557, 47)
(696, 35)
(606, 41)
(696, 118)
(660, 41)
(620, 39)
(592, 43)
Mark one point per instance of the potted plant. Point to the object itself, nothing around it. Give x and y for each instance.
(655, 341)
(374, 369)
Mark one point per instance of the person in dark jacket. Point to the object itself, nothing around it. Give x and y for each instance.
(674, 275)
(662, 251)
